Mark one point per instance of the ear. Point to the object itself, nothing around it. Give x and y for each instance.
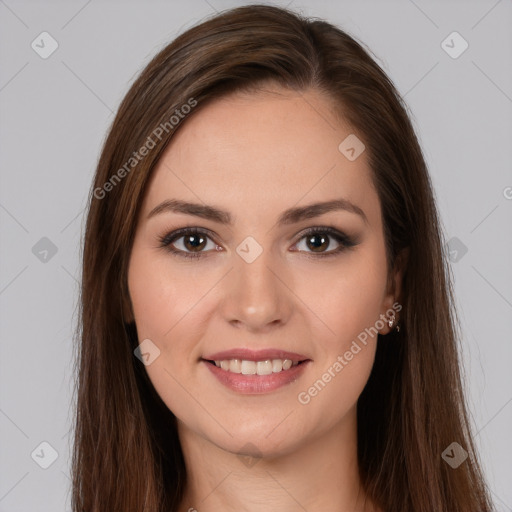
(392, 303)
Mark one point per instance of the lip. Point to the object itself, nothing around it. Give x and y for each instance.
(256, 384)
(255, 355)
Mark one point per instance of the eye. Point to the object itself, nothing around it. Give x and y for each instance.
(319, 241)
(188, 242)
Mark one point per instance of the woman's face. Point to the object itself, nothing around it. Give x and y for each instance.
(253, 287)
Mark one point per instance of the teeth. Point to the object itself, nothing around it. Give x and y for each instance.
(266, 367)
(277, 365)
(235, 366)
(248, 367)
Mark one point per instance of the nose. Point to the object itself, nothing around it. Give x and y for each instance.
(257, 296)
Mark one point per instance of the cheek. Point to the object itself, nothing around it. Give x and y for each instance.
(351, 310)
(167, 311)
(343, 367)
(346, 296)
(162, 296)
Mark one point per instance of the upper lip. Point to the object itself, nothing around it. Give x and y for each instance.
(255, 355)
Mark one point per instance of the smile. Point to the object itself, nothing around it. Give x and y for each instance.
(249, 371)
(246, 367)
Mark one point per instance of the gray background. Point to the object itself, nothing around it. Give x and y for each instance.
(54, 116)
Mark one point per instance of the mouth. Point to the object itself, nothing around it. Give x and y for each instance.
(254, 372)
(263, 367)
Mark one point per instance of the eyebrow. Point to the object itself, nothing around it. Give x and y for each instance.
(290, 216)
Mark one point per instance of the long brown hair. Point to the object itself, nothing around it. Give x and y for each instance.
(126, 453)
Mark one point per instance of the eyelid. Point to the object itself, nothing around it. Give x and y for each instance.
(173, 235)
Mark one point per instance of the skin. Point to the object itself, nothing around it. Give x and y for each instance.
(256, 155)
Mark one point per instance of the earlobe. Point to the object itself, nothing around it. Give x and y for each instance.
(389, 319)
(392, 319)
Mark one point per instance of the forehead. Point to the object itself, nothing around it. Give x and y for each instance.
(268, 149)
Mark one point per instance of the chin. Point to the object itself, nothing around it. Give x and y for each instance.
(268, 437)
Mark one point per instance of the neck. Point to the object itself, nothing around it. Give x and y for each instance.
(320, 474)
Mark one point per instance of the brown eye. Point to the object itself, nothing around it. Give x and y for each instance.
(325, 241)
(194, 242)
(188, 243)
(317, 243)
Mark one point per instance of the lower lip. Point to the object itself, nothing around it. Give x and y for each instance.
(256, 384)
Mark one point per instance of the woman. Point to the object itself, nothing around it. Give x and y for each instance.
(266, 314)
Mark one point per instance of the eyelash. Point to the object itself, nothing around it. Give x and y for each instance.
(345, 242)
